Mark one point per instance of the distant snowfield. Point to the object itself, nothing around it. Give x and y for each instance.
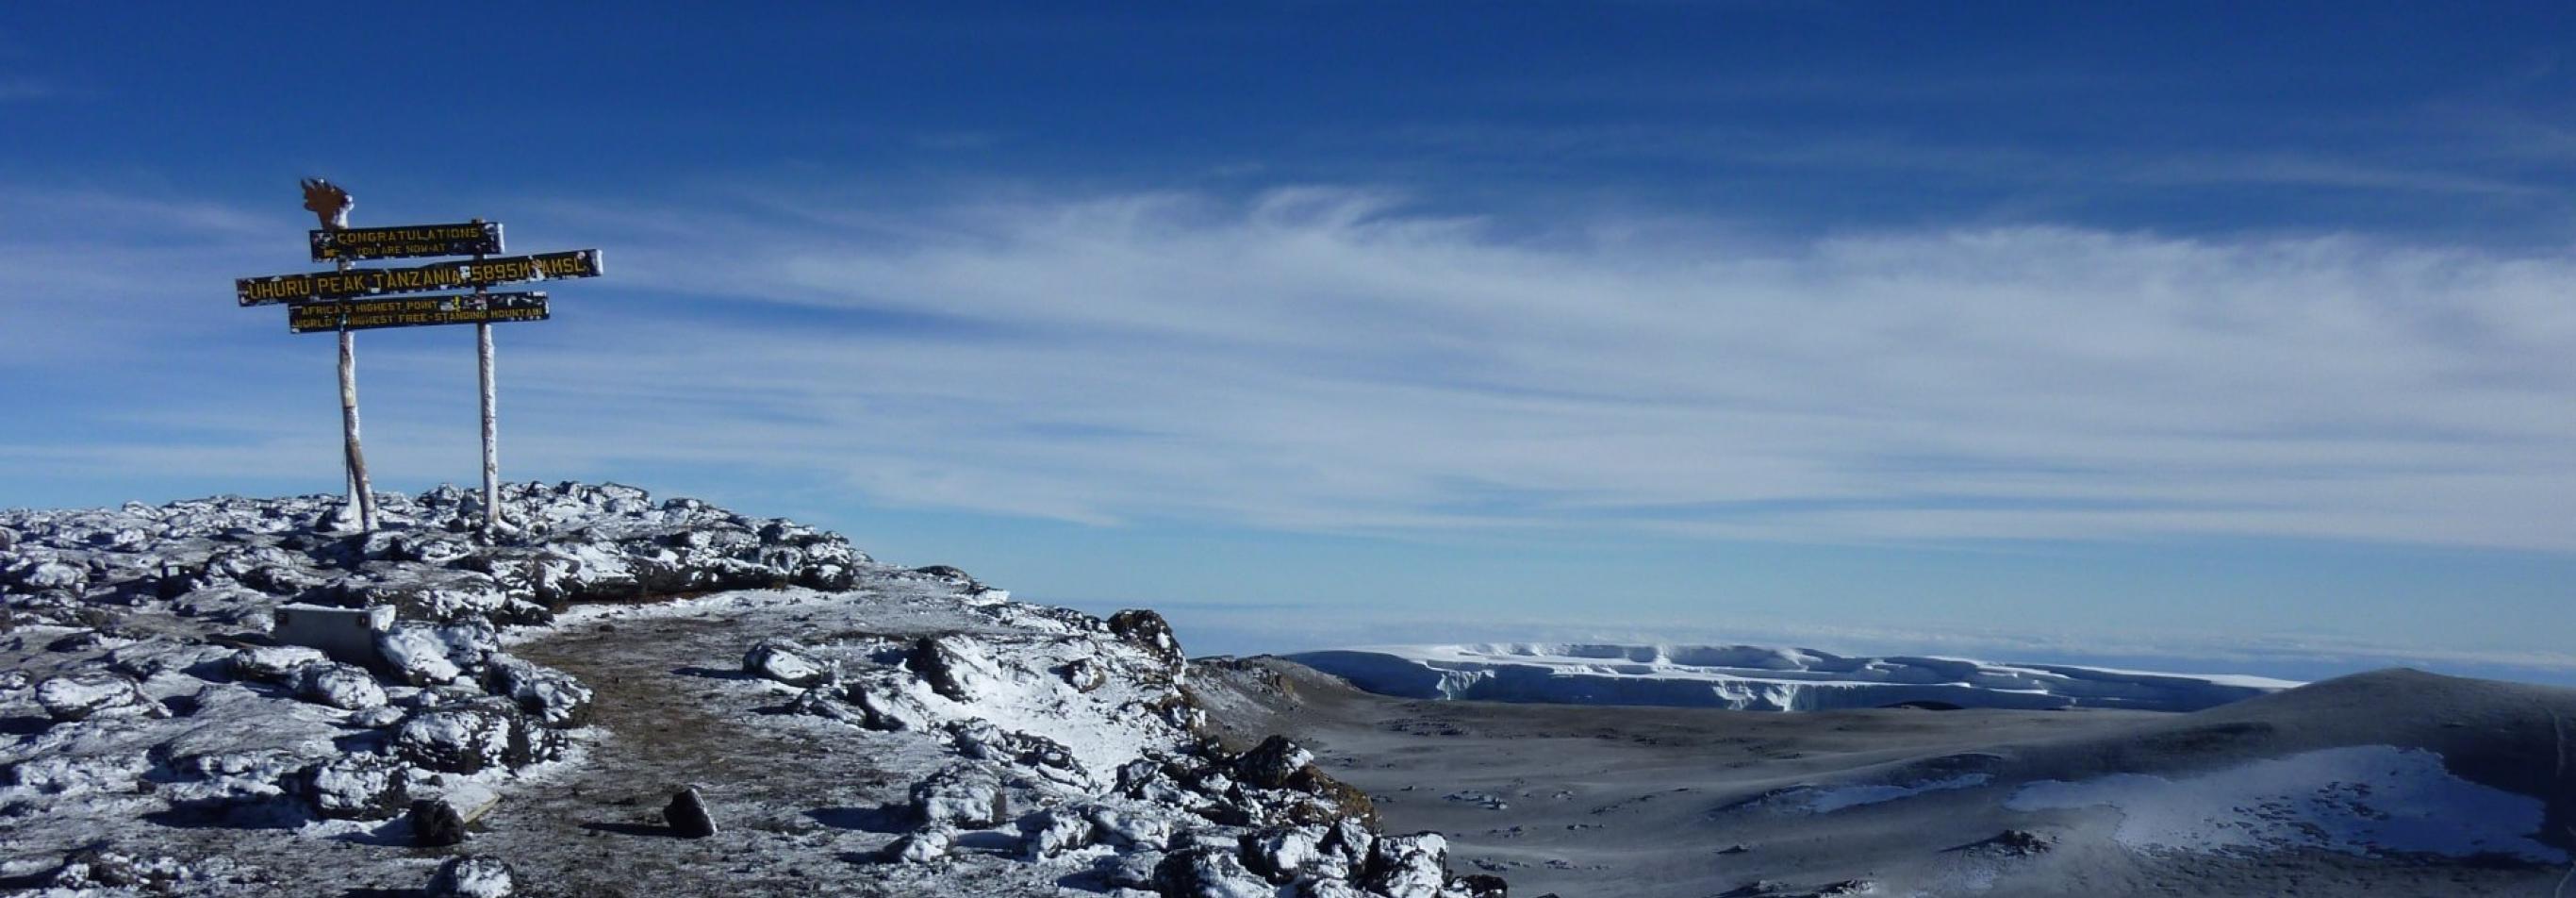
(2361, 800)
(1761, 678)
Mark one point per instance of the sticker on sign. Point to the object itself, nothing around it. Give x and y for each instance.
(356, 282)
(414, 311)
(407, 241)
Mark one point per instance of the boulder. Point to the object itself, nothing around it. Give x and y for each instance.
(1132, 870)
(1130, 830)
(356, 787)
(96, 694)
(1054, 831)
(545, 693)
(473, 737)
(418, 654)
(784, 661)
(922, 846)
(1484, 885)
(886, 705)
(980, 740)
(955, 667)
(97, 869)
(1085, 675)
(687, 814)
(1414, 866)
(1328, 888)
(1208, 872)
(342, 686)
(968, 796)
(272, 663)
(471, 877)
(1150, 632)
(49, 574)
(1273, 763)
(444, 820)
(1279, 853)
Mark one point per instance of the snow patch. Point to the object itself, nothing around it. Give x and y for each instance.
(2361, 800)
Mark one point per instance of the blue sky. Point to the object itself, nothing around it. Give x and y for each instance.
(2237, 337)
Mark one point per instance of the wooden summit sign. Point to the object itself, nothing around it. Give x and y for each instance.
(473, 238)
(412, 311)
(351, 299)
(356, 282)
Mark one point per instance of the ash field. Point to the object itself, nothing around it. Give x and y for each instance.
(632, 696)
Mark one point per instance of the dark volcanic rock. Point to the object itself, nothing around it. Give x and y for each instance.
(1206, 872)
(436, 823)
(1149, 631)
(687, 814)
(938, 662)
(1273, 763)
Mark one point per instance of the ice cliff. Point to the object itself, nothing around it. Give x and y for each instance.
(1760, 678)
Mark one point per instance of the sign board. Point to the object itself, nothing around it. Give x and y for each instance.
(413, 311)
(322, 285)
(407, 241)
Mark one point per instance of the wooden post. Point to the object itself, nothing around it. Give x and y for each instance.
(491, 418)
(361, 493)
(491, 432)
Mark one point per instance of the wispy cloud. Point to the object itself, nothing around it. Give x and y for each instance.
(22, 89)
(1335, 360)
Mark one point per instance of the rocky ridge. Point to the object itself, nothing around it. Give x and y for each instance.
(145, 705)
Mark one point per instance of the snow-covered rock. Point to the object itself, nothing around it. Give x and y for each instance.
(966, 795)
(922, 846)
(272, 663)
(427, 655)
(130, 873)
(1054, 831)
(357, 787)
(1209, 872)
(470, 738)
(471, 877)
(1414, 866)
(1273, 763)
(96, 694)
(1761, 678)
(785, 661)
(549, 695)
(342, 686)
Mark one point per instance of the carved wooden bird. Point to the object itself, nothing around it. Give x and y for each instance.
(329, 203)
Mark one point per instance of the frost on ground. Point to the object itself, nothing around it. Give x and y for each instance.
(1761, 678)
(549, 699)
(2362, 800)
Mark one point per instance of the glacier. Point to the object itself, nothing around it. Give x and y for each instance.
(1761, 678)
